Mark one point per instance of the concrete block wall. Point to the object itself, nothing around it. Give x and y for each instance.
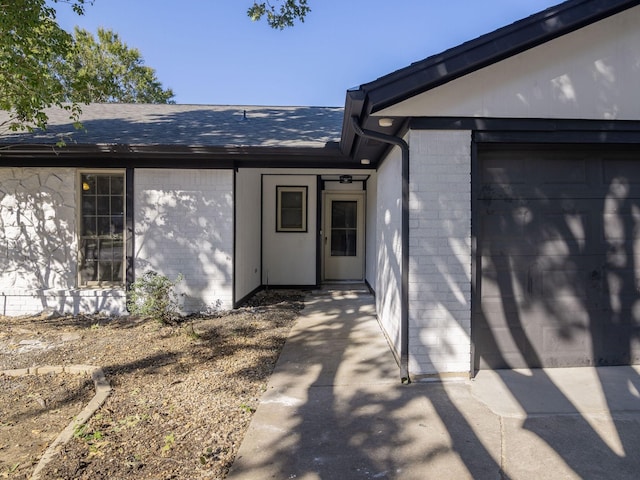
(38, 248)
(440, 252)
(184, 225)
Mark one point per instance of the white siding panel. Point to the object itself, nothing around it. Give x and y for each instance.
(184, 224)
(247, 255)
(440, 252)
(288, 258)
(592, 73)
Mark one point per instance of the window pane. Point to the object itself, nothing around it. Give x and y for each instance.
(291, 215)
(89, 225)
(102, 228)
(291, 200)
(89, 253)
(291, 218)
(117, 185)
(88, 272)
(343, 214)
(104, 185)
(343, 243)
(103, 203)
(105, 271)
(88, 184)
(117, 221)
(117, 205)
(88, 204)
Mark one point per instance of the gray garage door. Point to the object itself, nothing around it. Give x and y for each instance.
(558, 258)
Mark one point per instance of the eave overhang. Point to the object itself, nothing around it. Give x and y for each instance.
(370, 98)
(173, 156)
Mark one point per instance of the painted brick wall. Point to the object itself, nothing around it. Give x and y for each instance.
(184, 224)
(389, 246)
(440, 252)
(38, 248)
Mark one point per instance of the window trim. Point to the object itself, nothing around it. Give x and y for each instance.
(78, 229)
(304, 190)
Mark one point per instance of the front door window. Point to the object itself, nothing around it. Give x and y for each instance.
(344, 228)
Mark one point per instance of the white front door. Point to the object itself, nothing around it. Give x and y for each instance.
(343, 233)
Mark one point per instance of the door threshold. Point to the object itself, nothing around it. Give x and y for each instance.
(342, 282)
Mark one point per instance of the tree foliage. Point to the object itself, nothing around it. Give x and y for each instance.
(106, 70)
(43, 66)
(279, 13)
(30, 41)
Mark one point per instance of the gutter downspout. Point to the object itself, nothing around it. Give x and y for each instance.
(404, 289)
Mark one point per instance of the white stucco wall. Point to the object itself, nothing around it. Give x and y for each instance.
(440, 252)
(184, 224)
(38, 246)
(288, 258)
(592, 73)
(388, 251)
(248, 217)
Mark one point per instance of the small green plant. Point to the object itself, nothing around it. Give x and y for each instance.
(191, 333)
(82, 433)
(169, 440)
(153, 295)
(247, 408)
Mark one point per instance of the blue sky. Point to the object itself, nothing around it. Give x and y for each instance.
(210, 52)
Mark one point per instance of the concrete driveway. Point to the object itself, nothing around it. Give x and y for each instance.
(335, 409)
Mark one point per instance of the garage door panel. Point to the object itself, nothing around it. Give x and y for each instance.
(515, 345)
(563, 278)
(617, 170)
(534, 225)
(537, 175)
(509, 345)
(505, 280)
(558, 259)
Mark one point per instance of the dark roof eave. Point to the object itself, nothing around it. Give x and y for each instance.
(491, 48)
(156, 155)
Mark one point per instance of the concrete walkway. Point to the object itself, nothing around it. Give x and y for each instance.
(335, 409)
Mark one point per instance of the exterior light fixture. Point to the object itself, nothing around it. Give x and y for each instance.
(85, 186)
(346, 179)
(385, 122)
(365, 161)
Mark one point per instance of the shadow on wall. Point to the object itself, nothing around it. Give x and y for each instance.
(37, 221)
(187, 231)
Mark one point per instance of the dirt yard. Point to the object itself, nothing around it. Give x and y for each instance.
(182, 398)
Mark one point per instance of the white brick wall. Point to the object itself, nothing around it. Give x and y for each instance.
(389, 246)
(184, 224)
(38, 248)
(440, 252)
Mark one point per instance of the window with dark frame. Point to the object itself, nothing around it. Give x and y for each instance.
(101, 229)
(291, 209)
(344, 228)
